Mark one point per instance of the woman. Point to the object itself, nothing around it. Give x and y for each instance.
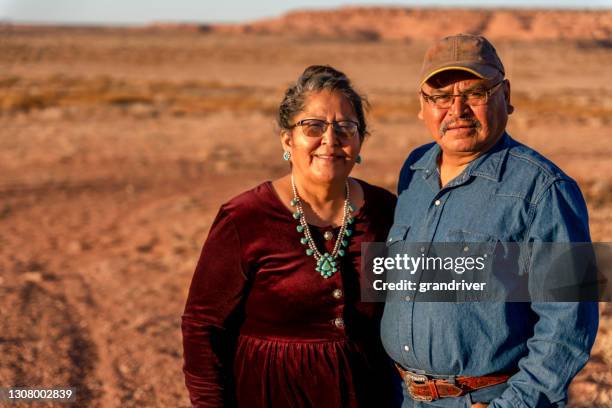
(273, 316)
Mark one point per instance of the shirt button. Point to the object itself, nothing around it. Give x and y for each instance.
(339, 322)
(407, 298)
(337, 293)
(406, 348)
(437, 203)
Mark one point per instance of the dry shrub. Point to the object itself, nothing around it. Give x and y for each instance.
(565, 104)
(20, 95)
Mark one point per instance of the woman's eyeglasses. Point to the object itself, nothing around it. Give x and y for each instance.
(345, 129)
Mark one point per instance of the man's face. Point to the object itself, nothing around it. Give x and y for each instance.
(463, 129)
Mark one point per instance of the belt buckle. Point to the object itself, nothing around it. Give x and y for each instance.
(418, 379)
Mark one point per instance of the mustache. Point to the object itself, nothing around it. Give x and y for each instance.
(469, 121)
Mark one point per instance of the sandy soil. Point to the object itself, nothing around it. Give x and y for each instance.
(117, 148)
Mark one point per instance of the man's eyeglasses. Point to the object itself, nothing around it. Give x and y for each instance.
(475, 97)
(345, 129)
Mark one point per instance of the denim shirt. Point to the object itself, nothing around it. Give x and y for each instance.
(509, 194)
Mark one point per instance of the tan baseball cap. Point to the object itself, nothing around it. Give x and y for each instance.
(464, 52)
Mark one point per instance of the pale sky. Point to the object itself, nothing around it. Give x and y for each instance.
(207, 11)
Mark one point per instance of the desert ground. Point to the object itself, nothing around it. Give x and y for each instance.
(117, 147)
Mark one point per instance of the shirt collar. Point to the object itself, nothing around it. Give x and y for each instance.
(489, 165)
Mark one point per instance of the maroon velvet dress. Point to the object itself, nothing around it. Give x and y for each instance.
(262, 328)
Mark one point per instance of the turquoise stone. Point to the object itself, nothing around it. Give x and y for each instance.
(293, 202)
(348, 232)
(340, 252)
(326, 265)
(344, 243)
(297, 215)
(304, 240)
(350, 220)
(350, 207)
(300, 228)
(309, 252)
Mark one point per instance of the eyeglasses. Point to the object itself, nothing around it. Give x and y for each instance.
(473, 98)
(345, 129)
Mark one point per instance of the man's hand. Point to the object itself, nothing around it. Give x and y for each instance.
(479, 405)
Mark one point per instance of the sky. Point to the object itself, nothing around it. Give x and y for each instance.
(207, 11)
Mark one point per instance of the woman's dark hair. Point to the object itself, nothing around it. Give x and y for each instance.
(314, 79)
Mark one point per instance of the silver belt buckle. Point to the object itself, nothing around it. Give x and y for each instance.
(417, 379)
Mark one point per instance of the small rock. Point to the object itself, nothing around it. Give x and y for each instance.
(148, 246)
(53, 113)
(34, 277)
(222, 166)
(141, 110)
(74, 247)
(6, 211)
(601, 187)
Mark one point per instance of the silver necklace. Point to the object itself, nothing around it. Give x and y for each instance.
(327, 264)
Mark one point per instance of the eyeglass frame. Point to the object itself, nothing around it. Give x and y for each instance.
(334, 123)
(488, 93)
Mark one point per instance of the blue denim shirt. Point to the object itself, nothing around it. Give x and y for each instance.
(509, 194)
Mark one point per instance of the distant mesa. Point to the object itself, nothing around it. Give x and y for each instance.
(592, 27)
(189, 27)
(395, 23)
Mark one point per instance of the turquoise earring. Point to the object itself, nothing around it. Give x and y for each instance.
(286, 155)
(358, 159)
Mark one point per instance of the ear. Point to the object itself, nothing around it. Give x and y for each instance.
(420, 114)
(509, 106)
(286, 141)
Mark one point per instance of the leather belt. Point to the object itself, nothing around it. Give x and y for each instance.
(422, 387)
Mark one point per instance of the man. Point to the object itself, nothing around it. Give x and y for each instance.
(477, 184)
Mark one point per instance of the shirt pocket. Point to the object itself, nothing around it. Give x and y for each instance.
(395, 245)
(397, 235)
(480, 248)
(472, 243)
(501, 265)
(396, 240)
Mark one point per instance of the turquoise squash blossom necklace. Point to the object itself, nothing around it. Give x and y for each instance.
(327, 264)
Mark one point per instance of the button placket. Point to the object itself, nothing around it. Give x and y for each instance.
(405, 329)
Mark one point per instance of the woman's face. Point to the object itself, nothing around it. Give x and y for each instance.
(330, 157)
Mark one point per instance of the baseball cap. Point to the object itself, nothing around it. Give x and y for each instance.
(464, 52)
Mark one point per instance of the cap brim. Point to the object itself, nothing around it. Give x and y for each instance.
(484, 72)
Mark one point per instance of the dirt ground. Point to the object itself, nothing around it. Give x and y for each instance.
(117, 148)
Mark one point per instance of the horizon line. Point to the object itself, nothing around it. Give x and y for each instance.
(4, 21)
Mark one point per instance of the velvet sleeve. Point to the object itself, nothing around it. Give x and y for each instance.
(212, 316)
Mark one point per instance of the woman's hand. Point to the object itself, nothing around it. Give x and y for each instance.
(479, 405)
